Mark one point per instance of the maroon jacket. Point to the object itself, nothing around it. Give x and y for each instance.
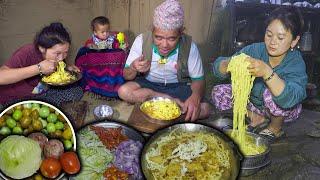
(25, 56)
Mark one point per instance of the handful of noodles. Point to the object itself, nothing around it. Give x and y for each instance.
(189, 155)
(60, 76)
(242, 82)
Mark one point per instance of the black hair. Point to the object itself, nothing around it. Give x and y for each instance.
(290, 17)
(99, 20)
(51, 35)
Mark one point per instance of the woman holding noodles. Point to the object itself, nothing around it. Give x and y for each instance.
(279, 71)
(21, 73)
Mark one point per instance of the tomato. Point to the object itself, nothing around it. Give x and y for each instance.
(70, 162)
(44, 112)
(67, 133)
(50, 167)
(52, 118)
(17, 114)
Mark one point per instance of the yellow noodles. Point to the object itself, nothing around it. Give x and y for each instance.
(60, 76)
(161, 110)
(248, 147)
(242, 82)
(189, 155)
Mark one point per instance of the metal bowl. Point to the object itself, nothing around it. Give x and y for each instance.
(103, 112)
(158, 99)
(222, 123)
(253, 163)
(191, 127)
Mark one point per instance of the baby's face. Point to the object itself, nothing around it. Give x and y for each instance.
(101, 31)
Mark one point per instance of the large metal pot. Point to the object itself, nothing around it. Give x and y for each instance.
(191, 127)
(251, 164)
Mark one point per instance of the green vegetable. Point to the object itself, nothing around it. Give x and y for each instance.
(59, 125)
(93, 154)
(5, 130)
(52, 118)
(17, 130)
(44, 131)
(35, 106)
(44, 112)
(20, 157)
(11, 123)
(67, 144)
(51, 128)
(17, 114)
(27, 105)
(44, 123)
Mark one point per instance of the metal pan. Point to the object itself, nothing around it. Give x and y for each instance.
(191, 127)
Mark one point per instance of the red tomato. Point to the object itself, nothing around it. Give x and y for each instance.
(70, 162)
(50, 167)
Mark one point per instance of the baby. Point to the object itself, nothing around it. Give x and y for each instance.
(101, 38)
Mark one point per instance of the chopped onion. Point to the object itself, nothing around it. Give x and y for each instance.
(127, 157)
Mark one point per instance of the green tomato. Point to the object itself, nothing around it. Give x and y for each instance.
(27, 105)
(52, 118)
(67, 144)
(35, 105)
(5, 130)
(17, 114)
(59, 125)
(51, 128)
(44, 112)
(44, 131)
(44, 122)
(17, 130)
(56, 112)
(11, 123)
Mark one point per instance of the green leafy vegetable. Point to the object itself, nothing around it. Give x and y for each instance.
(93, 154)
(20, 157)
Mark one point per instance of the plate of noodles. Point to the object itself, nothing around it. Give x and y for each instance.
(61, 77)
(161, 109)
(190, 151)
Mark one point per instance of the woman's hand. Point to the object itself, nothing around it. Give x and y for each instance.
(259, 68)
(48, 66)
(141, 65)
(73, 68)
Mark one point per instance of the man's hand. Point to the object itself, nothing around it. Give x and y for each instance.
(141, 65)
(192, 107)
